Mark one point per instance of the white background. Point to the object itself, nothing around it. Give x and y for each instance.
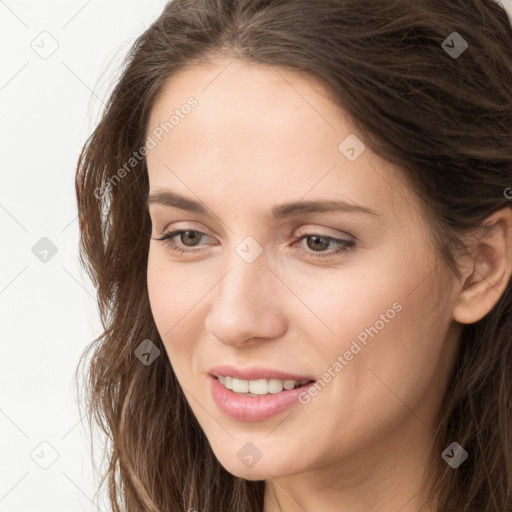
(49, 106)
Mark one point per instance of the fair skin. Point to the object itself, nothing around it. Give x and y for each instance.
(263, 136)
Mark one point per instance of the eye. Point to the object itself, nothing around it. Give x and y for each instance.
(322, 242)
(192, 235)
(189, 238)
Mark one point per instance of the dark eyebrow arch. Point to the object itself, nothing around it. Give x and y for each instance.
(281, 211)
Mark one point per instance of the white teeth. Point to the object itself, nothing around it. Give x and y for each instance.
(275, 386)
(289, 384)
(258, 387)
(240, 385)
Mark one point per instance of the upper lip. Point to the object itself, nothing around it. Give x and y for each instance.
(255, 373)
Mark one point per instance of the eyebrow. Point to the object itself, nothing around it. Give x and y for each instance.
(280, 211)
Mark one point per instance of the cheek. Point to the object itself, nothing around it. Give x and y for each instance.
(177, 299)
(401, 361)
(340, 304)
(383, 320)
(159, 291)
(172, 290)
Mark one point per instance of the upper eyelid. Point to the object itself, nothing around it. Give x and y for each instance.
(323, 231)
(302, 232)
(339, 233)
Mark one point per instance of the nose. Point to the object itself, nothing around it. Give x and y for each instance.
(245, 305)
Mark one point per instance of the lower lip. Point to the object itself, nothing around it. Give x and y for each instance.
(248, 408)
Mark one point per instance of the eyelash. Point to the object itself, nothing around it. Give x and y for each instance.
(346, 245)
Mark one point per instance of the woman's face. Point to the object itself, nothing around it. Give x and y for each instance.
(267, 294)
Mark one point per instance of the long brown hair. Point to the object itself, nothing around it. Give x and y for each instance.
(445, 120)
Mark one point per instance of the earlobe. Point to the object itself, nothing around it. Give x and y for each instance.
(489, 271)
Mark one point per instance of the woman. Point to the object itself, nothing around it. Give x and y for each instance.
(297, 216)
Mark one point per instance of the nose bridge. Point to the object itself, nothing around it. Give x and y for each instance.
(241, 306)
(248, 275)
(245, 284)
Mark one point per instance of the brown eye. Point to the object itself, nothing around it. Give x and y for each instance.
(189, 238)
(316, 244)
(319, 242)
(186, 238)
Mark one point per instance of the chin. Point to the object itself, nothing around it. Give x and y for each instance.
(261, 470)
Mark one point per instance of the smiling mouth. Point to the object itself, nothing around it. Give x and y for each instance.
(259, 387)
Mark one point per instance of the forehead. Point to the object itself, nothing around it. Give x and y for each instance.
(241, 83)
(263, 132)
(244, 106)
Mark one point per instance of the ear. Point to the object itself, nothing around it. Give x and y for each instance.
(487, 269)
